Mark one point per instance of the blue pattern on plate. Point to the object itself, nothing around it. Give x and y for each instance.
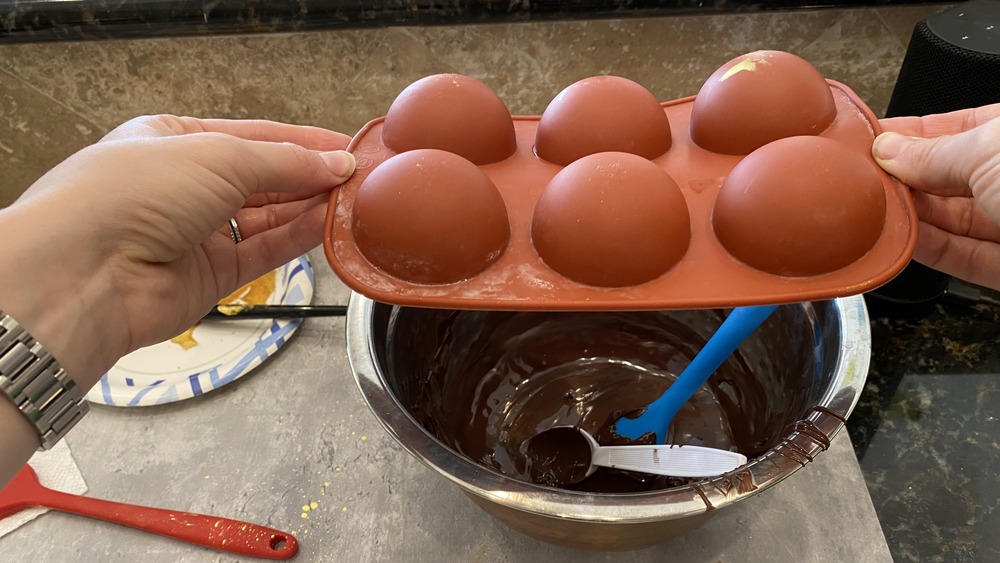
(105, 391)
(142, 392)
(119, 390)
(195, 385)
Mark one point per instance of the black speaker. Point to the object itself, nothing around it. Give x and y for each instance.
(951, 63)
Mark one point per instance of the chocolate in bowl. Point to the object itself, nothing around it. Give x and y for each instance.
(494, 380)
(790, 390)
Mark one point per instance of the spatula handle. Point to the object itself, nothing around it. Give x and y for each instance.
(214, 532)
(740, 323)
(660, 413)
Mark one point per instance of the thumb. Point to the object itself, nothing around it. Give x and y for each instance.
(950, 165)
(262, 166)
(931, 165)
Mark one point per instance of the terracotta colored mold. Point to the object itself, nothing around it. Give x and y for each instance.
(429, 216)
(818, 230)
(611, 219)
(758, 98)
(780, 208)
(600, 114)
(453, 113)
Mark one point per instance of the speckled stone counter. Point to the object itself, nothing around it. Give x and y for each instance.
(927, 432)
(47, 20)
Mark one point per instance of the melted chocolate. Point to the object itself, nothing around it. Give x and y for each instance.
(557, 457)
(486, 383)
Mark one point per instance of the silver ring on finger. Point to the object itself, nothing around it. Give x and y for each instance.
(234, 231)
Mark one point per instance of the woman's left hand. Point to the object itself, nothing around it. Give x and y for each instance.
(127, 242)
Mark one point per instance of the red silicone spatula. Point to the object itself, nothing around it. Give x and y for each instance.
(223, 534)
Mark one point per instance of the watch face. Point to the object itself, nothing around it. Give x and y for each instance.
(210, 354)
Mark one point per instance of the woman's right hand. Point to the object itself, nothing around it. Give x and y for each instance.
(951, 162)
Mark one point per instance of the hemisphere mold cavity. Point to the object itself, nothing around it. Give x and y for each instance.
(454, 113)
(601, 114)
(429, 216)
(758, 98)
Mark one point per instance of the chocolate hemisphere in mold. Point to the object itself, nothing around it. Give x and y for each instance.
(429, 216)
(611, 219)
(600, 114)
(801, 206)
(454, 113)
(758, 98)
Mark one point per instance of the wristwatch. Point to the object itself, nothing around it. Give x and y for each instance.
(37, 384)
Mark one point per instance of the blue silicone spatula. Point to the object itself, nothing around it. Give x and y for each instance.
(740, 323)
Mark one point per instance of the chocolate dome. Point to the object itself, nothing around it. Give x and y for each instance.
(454, 113)
(758, 98)
(429, 216)
(602, 113)
(611, 219)
(801, 206)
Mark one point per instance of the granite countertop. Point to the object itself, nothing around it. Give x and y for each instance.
(927, 431)
(48, 20)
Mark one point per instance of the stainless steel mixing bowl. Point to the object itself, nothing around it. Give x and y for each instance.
(832, 351)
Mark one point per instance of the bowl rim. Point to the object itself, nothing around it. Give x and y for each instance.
(798, 448)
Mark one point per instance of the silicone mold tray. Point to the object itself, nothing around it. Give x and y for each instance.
(759, 190)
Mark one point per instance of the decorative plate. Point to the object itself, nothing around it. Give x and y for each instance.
(208, 356)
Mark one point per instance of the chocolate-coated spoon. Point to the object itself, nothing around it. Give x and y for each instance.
(223, 534)
(660, 413)
(566, 455)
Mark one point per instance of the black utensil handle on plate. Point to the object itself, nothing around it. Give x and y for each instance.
(239, 312)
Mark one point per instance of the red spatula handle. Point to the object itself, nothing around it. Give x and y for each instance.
(222, 534)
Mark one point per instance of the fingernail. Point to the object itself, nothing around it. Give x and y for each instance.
(888, 146)
(341, 163)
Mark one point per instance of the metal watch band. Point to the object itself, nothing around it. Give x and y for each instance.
(37, 384)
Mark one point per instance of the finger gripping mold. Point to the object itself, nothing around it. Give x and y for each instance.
(759, 190)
